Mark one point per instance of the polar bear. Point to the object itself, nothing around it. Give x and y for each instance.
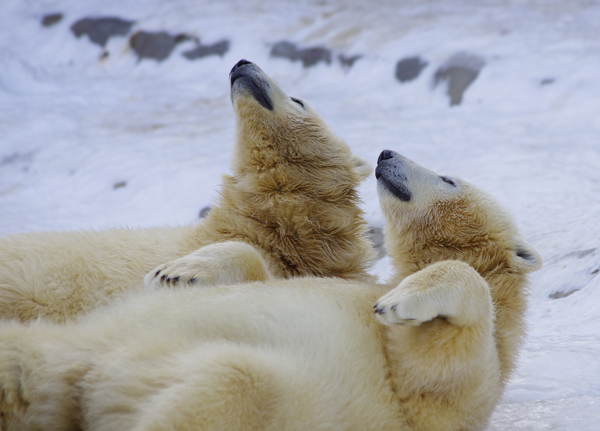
(430, 352)
(292, 199)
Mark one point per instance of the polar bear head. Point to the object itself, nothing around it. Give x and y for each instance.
(276, 132)
(430, 218)
(293, 191)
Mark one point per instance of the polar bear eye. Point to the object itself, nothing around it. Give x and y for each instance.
(448, 180)
(298, 101)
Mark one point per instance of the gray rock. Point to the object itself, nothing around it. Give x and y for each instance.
(376, 237)
(312, 56)
(284, 49)
(459, 72)
(559, 295)
(155, 45)
(51, 19)
(409, 69)
(99, 30)
(218, 48)
(348, 61)
(204, 212)
(308, 56)
(547, 81)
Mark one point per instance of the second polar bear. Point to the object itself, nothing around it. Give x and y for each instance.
(292, 199)
(430, 352)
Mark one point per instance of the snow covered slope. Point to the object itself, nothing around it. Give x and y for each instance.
(98, 136)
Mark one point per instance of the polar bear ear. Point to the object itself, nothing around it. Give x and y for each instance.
(526, 258)
(362, 167)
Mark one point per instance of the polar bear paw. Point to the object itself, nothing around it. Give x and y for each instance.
(228, 262)
(451, 290)
(396, 308)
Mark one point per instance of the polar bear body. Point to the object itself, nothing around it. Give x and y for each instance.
(292, 196)
(278, 350)
(430, 352)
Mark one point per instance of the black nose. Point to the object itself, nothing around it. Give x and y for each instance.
(240, 64)
(385, 154)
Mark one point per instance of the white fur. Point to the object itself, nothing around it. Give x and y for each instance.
(300, 354)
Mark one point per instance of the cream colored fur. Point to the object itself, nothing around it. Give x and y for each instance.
(300, 354)
(292, 196)
(460, 222)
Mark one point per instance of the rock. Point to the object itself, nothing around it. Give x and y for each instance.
(204, 212)
(120, 185)
(409, 69)
(547, 81)
(376, 237)
(559, 295)
(348, 61)
(459, 72)
(308, 56)
(218, 48)
(284, 49)
(99, 30)
(51, 19)
(312, 56)
(155, 45)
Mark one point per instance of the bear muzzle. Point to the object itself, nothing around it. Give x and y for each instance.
(247, 78)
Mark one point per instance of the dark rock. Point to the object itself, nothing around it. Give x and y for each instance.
(547, 81)
(285, 50)
(204, 212)
(157, 45)
(99, 30)
(120, 185)
(459, 72)
(376, 237)
(409, 69)
(312, 56)
(558, 295)
(348, 61)
(218, 48)
(308, 56)
(51, 19)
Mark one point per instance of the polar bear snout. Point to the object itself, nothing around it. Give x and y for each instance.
(385, 155)
(248, 79)
(391, 176)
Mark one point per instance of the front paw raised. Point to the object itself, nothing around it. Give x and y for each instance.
(397, 308)
(186, 271)
(221, 263)
(449, 289)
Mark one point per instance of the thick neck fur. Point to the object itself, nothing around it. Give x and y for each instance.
(482, 242)
(293, 194)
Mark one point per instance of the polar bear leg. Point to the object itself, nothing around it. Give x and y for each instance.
(440, 337)
(227, 262)
(450, 289)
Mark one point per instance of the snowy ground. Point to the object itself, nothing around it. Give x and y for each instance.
(91, 142)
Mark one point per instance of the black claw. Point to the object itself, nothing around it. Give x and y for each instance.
(394, 307)
(163, 278)
(175, 279)
(157, 272)
(380, 310)
(191, 281)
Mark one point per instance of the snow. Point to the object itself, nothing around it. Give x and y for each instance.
(74, 127)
